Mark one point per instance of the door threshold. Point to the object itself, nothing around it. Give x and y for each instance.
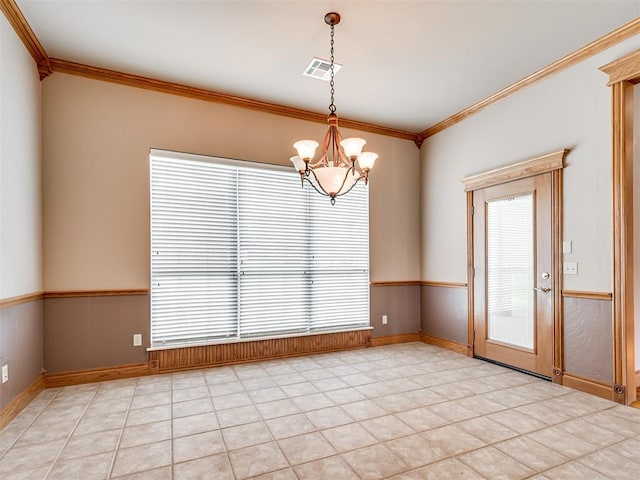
(517, 369)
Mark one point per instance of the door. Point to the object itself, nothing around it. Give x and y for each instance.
(513, 262)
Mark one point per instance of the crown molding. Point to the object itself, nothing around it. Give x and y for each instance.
(128, 79)
(25, 33)
(47, 65)
(612, 38)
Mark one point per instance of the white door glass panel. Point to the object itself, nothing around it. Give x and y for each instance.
(510, 271)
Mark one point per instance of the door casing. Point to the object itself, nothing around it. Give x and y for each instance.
(539, 359)
(552, 163)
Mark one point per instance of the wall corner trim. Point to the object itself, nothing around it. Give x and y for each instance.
(396, 283)
(444, 343)
(78, 377)
(429, 283)
(25, 33)
(12, 301)
(15, 406)
(95, 293)
(599, 389)
(587, 295)
(394, 339)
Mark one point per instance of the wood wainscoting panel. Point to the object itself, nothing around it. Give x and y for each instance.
(185, 358)
(78, 377)
(15, 406)
(393, 339)
(589, 386)
(444, 343)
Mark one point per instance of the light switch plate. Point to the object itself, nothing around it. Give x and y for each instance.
(5, 373)
(137, 339)
(566, 246)
(570, 268)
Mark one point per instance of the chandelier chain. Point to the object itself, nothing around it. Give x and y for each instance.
(332, 107)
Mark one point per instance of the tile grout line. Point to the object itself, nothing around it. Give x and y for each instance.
(381, 379)
(124, 425)
(171, 452)
(215, 412)
(84, 410)
(29, 424)
(578, 458)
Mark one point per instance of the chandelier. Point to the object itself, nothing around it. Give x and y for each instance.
(342, 162)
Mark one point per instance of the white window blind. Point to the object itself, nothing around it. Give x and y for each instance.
(510, 270)
(242, 251)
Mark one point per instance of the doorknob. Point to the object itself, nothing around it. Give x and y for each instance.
(542, 289)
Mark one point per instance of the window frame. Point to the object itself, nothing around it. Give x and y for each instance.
(242, 164)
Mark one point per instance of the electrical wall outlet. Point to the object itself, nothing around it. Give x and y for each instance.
(570, 268)
(384, 319)
(5, 373)
(137, 339)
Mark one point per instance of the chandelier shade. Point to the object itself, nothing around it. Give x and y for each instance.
(342, 162)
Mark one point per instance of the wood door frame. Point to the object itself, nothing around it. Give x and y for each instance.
(623, 73)
(553, 163)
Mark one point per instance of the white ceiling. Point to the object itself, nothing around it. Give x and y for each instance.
(407, 64)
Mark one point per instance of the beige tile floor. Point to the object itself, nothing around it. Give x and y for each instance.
(409, 411)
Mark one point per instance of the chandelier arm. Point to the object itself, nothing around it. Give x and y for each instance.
(350, 188)
(322, 161)
(344, 180)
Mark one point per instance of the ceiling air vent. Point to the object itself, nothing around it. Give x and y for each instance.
(321, 69)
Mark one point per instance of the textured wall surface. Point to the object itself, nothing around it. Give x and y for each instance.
(20, 214)
(92, 332)
(443, 312)
(588, 343)
(20, 347)
(571, 109)
(96, 142)
(401, 304)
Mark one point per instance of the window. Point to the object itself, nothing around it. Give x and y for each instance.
(239, 251)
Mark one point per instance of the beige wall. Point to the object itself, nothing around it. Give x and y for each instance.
(20, 201)
(567, 110)
(96, 140)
